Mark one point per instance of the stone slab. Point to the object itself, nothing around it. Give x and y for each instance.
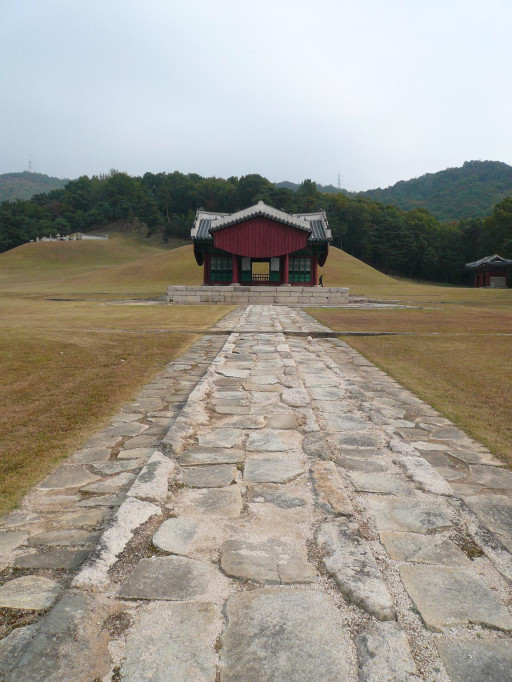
(495, 512)
(110, 485)
(176, 536)
(172, 578)
(198, 456)
(357, 439)
(344, 422)
(331, 494)
(153, 480)
(91, 455)
(272, 469)
(295, 397)
(388, 484)
(490, 477)
(135, 453)
(213, 476)
(283, 420)
(69, 644)
(271, 561)
(126, 429)
(267, 638)
(219, 502)
(59, 558)
(385, 655)
(477, 660)
(447, 596)
(9, 540)
(244, 422)
(222, 438)
(407, 514)
(110, 468)
(63, 537)
(68, 477)
(167, 641)
(315, 445)
(274, 494)
(268, 440)
(475, 457)
(30, 592)
(12, 646)
(347, 557)
(423, 549)
(327, 393)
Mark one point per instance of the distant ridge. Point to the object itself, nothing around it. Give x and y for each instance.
(24, 185)
(461, 193)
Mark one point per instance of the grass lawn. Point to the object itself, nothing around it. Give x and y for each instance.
(459, 360)
(67, 367)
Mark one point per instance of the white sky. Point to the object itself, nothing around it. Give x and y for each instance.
(379, 90)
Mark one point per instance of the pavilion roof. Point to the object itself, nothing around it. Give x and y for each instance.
(315, 223)
(495, 260)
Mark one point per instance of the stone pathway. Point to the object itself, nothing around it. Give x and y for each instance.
(272, 507)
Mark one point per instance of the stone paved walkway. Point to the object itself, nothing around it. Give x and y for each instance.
(272, 507)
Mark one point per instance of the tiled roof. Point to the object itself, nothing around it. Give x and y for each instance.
(314, 223)
(496, 260)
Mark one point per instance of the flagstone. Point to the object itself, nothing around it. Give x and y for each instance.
(213, 476)
(222, 438)
(447, 596)
(272, 469)
(271, 561)
(423, 549)
(476, 660)
(172, 578)
(168, 642)
(30, 592)
(407, 514)
(176, 535)
(265, 621)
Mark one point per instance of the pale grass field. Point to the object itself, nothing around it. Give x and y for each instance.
(67, 367)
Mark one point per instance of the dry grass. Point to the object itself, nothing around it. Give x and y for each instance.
(67, 367)
(344, 270)
(459, 361)
(120, 265)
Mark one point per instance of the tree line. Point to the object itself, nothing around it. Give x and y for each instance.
(406, 243)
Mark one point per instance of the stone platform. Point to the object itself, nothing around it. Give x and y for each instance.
(257, 295)
(270, 508)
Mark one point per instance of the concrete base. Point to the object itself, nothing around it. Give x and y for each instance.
(271, 295)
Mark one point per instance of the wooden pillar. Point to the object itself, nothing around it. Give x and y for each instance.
(314, 270)
(206, 269)
(285, 265)
(236, 269)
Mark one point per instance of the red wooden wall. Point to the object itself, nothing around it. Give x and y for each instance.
(260, 238)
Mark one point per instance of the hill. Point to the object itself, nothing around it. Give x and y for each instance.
(452, 194)
(24, 185)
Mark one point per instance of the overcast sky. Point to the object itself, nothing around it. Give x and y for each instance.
(377, 90)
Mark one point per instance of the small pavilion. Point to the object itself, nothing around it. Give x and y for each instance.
(261, 245)
(491, 271)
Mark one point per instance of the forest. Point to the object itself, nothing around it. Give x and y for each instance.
(409, 243)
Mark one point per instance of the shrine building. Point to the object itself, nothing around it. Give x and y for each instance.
(261, 245)
(491, 271)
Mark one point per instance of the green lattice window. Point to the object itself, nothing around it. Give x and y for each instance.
(299, 270)
(221, 269)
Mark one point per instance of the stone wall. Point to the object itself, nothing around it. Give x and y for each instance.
(277, 295)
